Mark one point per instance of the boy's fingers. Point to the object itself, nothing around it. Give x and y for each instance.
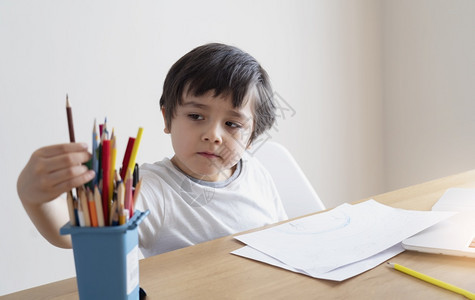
(65, 161)
(66, 174)
(55, 150)
(75, 181)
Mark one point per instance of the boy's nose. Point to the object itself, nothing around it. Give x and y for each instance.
(213, 134)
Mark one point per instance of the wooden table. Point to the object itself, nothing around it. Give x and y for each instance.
(209, 271)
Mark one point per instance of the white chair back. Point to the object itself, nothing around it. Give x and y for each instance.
(297, 194)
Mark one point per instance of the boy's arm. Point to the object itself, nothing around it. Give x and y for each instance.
(48, 218)
(51, 172)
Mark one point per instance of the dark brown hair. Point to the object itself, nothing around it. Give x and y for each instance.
(227, 70)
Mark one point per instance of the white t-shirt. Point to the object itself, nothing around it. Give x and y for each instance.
(185, 211)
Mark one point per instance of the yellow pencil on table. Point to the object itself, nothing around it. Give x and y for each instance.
(432, 280)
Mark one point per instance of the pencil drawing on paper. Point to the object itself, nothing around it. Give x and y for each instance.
(322, 224)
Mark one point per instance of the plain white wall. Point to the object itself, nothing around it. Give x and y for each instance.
(329, 60)
(429, 95)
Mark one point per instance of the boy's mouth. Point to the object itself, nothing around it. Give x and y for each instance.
(208, 154)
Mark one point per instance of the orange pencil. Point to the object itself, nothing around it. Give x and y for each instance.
(92, 208)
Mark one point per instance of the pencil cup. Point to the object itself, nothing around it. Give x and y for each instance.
(106, 259)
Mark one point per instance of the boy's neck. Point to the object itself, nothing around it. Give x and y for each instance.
(218, 177)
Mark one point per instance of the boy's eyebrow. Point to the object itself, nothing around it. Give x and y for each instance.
(234, 113)
(195, 104)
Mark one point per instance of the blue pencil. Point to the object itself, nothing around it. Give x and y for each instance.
(95, 160)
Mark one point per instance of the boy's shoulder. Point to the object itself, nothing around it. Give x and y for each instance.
(161, 175)
(158, 168)
(156, 165)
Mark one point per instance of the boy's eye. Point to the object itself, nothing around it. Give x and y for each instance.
(233, 125)
(195, 116)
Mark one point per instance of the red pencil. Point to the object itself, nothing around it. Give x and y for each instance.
(106, 147)
(125, 162)
(101, 129)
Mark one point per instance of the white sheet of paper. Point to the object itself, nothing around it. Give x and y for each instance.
(339, 274)
(347, 234)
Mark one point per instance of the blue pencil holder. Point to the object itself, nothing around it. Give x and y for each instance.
(107, 259)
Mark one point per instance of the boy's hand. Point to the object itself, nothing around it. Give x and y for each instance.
(52, 171)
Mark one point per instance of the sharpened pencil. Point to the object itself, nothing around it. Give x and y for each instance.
(72, 139)
(95, 155)
(69, 114)
(98, 201)
(135, 149)
(113, 155)
(92, 208)
(126, 159)
(136, 195)
(106, 204)
(85, 207)
(128, 193)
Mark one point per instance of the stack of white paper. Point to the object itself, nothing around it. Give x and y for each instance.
(340, 243)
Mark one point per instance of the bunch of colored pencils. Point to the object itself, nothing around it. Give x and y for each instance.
(109, 198)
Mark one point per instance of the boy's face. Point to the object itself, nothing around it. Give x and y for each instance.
(209, 135)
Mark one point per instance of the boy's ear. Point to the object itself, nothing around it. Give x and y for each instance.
(166, 129)
(249, 145)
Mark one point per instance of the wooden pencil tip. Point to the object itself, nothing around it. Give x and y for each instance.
(67, 101)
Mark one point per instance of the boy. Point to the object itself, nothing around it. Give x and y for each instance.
(216, 100)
